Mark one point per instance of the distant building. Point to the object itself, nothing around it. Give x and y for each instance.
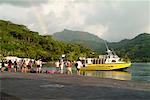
(13, 58)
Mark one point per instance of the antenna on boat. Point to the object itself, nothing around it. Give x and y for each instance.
(108, 50)
(114, 51)
(106, 45)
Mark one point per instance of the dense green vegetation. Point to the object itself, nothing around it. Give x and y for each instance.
(137, 49)
(18, 40)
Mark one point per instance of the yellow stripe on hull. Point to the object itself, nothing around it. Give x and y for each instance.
(115, 66)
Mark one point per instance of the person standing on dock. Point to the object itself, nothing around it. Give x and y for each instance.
(57, 66)
(9, 65)
(3, 66)
(29, 66)
(24, 66)
(69, 67)
(78, 66)
(61, 67)
(15, 65)
(39, 66)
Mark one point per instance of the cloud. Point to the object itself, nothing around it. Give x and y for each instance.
(23, 3)
(130, 19)
(112, 20)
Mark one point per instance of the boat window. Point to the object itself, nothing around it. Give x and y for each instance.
(97, 61)
(86, 61)
(103, 61)
(113, 60)
(93, 61)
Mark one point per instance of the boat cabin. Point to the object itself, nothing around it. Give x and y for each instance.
(110, 57)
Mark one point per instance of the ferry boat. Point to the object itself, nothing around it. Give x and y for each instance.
(110, 61)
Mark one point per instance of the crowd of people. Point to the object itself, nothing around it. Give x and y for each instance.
(23, 66)
(26, 66)
(60, 66)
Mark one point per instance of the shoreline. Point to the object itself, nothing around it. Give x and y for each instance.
(86, 80)
(70, 87)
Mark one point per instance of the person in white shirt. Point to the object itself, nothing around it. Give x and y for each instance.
(78, 66)
(61, 67)
(39, 65)
(57, 66)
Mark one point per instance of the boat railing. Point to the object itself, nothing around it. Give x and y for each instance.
(95, 61)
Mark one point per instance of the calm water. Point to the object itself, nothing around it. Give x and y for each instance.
(138, 71)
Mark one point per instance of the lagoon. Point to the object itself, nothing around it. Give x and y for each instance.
(137, 71)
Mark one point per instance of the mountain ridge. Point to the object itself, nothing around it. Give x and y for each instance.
(68, 35)
(129, 47)
(18, 40)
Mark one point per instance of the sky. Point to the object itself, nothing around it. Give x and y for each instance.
(112, 20)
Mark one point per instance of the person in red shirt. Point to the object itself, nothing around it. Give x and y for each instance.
(9, 65)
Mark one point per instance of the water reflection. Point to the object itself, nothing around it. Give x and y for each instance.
(120, 75)
(140, 71)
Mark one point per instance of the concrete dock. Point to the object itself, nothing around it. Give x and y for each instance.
(31, 86)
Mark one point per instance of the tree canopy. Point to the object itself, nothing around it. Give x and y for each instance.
(18, 40)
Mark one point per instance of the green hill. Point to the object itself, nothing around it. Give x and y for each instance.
(83, 38)
(69, 35)
(18, 40)
(137, 49)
